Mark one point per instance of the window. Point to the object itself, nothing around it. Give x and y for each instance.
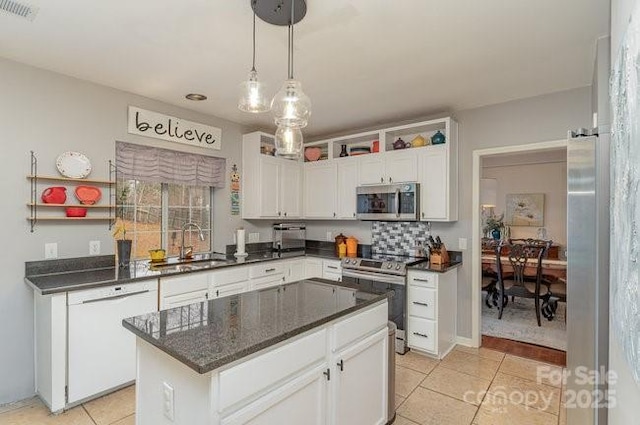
(153, 215)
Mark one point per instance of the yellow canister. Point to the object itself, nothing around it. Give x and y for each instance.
(342, 250)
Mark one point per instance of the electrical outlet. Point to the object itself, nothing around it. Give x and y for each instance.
(254, 237)
(94, 247)
(167, 401)
(329, 236)
(50, 250)
(462, 244)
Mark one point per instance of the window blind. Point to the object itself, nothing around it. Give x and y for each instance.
(157, 165)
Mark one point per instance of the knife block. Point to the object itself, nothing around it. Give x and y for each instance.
(439, 256)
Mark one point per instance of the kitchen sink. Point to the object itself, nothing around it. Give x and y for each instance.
(186, 265)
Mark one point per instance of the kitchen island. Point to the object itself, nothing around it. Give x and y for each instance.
(306, 352)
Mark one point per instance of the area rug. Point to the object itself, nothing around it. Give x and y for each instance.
(519, 323)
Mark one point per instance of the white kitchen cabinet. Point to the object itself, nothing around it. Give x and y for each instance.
(332, 270)
(346, 297)
(389, 168)
(269, 170)
(228, 289)
(348, 181)
(320, 189)
(312, 267)
(295, 270)
(432, 306)
(302, 401)
(371, 169)
(271, 185)
(290, 189)
(189, 288)
(359, 394)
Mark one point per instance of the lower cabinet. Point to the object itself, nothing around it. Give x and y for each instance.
(332, 270)
(312, 267)
(359, 388)
(176, 291)
(295, 270)
(432, 306)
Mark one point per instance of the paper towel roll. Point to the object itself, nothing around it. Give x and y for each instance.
(240, 241)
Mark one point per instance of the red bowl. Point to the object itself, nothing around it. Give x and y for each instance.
(76, 212)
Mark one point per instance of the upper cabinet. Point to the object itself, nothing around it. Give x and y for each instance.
(272, 187)
(323, 184)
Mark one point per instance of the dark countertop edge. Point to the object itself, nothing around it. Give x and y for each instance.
(89, 285)
(254, 348)
(423, 268)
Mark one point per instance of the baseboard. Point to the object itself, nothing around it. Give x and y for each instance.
(467, 342)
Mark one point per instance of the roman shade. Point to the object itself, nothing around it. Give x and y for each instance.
(157, 165)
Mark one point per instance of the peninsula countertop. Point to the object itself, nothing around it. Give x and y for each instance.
(50, 277)
(208, 335)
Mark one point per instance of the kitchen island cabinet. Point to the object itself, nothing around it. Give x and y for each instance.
(277, 355)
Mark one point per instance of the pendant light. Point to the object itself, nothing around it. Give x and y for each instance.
(291, 108)
(252, 97)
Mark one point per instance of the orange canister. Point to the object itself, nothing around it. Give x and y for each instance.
(352, 246)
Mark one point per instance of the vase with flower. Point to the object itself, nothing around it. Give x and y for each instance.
(493, 226)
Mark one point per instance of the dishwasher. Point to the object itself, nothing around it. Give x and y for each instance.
(101, 353)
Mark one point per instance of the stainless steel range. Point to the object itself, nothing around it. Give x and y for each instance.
(387, 273)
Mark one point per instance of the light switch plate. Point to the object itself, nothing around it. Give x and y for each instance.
(462, 244)
(94, 247)
(50, 250)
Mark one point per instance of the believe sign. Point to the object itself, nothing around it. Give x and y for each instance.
(172, 129)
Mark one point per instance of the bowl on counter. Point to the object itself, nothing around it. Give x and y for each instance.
(157, 255)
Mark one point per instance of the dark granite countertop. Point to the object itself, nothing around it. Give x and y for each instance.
(442, 268)
(208, 335)
(53, 276)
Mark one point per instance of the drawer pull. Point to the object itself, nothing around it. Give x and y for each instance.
(422, 280)
(419, 303)
(327, 373)
(269, 270)
(340, 365)
(332, 267)
(422, 335)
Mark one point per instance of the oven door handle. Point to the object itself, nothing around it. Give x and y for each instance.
(378, 277)
(397, 202)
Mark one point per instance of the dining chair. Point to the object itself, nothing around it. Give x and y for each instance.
(516, 280)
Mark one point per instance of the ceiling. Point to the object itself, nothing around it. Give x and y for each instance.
(362, 62)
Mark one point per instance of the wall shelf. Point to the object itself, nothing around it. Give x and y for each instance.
(36, 181)
(67, 179)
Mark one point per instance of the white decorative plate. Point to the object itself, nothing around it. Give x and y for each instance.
(73, 165)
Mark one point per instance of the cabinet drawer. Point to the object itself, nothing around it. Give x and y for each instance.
(422, 302)
(428, 280)
(182, 284)
(226, 290)
(422, 334)
(329, 266)
(266, 269)
(183, 299)
(336, 277)
(257, 375)
(356, 327)
(267, 281)
(230, 275)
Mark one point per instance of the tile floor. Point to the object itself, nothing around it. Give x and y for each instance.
(469, 386)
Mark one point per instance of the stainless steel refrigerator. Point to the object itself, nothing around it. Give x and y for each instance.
(587, 269)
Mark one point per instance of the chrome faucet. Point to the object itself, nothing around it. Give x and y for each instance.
(184, 253)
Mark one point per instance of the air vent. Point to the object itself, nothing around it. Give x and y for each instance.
(19, 9)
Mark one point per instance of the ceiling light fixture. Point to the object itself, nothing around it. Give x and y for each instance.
(252, 97)
(196, 97)
(291, 107)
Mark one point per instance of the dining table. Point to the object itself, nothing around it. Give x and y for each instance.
(550, 267)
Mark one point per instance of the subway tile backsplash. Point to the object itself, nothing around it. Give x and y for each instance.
(398, 237)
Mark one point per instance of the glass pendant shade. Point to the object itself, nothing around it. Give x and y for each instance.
(252, 97)
(289, 142)
(291, 107)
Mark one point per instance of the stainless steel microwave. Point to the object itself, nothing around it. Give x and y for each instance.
(392, 202)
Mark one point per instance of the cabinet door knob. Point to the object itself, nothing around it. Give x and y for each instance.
(354, 214)
(334, 214)
(381, 179)
(285, 213)
(217, 293)
(327, 373)
(340, 364)
(279, 214)
(390, 180)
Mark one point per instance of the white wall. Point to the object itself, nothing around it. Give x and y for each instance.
(547, 178)
(50, 113)
(626, 389)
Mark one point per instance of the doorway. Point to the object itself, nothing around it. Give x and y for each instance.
(493, 155)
